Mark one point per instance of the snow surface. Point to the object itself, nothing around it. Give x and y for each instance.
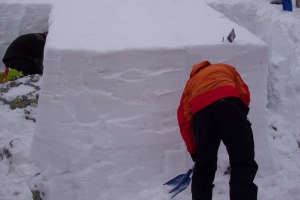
(142, 82)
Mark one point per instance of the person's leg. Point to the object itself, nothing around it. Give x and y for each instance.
(208, 143)
(237, 136)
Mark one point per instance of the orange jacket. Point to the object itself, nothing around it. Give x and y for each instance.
(207, 84)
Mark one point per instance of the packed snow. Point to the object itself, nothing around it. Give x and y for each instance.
(105, 126)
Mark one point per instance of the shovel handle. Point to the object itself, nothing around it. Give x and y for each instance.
(5, 75)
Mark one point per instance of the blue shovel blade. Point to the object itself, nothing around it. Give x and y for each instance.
(175, 181)
(182, 186)
(178, 179)
(181, 182)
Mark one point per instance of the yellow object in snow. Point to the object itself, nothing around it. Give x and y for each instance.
(12, 75)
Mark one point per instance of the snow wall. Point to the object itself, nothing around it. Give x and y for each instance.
(106, 125)
(18, 19)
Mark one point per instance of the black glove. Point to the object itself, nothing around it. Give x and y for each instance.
(194, 156)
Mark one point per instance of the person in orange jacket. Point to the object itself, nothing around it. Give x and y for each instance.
(214, 108)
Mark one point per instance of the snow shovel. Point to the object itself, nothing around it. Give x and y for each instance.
(180, 182)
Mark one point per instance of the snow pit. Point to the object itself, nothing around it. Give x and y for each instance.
(106, 125)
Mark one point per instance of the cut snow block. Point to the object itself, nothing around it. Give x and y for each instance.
(112, 85)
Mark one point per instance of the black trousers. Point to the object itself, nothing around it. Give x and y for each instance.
(27, 67)
(225, 120)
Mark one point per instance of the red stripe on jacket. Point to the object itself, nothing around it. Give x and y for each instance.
(202, 100)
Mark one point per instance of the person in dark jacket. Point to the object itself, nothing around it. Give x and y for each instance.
(214, 108)
(26, 53)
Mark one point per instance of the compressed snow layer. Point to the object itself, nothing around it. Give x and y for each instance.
(18, 18)
(107, 109)
(118, 115)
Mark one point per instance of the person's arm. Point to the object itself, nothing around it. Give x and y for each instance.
(184, 116)
(243, 89)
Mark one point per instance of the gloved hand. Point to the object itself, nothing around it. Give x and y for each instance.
(194, 156)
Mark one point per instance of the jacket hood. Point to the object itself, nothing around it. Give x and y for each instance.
(198, 67)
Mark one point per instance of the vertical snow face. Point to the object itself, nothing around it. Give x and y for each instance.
(106, 125)
(21, 18)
